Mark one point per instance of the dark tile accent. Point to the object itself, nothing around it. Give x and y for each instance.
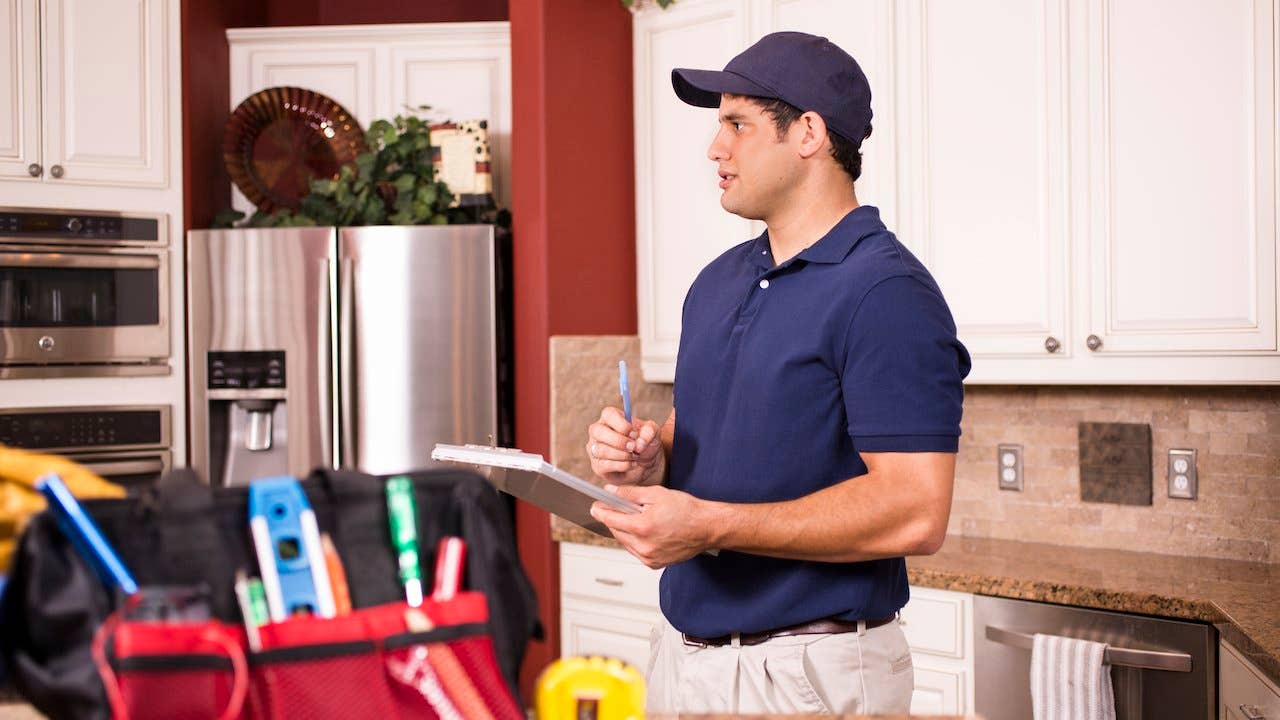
(1115, 463)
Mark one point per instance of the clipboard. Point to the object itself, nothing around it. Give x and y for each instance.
(529, 477)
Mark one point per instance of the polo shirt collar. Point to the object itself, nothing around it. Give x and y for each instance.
(836, 245)
(831, 248)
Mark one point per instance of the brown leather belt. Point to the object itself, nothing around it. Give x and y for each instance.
(826, 626)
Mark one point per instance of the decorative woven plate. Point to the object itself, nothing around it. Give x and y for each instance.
(280, 138)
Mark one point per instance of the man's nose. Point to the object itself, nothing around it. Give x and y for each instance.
(717, 151)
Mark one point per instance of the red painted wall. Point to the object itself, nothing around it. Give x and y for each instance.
(573, 190)
(574, 216)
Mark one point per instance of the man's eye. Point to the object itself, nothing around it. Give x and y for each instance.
(737, 126)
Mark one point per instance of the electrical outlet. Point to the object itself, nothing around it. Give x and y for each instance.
(1009, 467)
(1182, 473)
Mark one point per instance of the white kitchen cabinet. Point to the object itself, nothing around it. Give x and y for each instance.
(1182, 230)
(680, 226)
(939, 629)
(1087, 222)
(88, 85)
(1244, 693)
(983, 183)
(461, 70)
(19, 87)
(609, 606)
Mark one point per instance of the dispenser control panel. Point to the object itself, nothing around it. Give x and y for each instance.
(246, 370)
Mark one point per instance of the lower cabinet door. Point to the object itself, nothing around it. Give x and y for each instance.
(588, 633)
(937, 692)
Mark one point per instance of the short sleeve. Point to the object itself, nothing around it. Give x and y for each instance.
(903, 370)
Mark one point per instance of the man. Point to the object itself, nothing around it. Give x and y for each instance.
(818, 391)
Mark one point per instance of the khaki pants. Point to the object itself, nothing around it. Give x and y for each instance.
(855, 672)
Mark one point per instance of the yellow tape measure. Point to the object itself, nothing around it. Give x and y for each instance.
(590, 688)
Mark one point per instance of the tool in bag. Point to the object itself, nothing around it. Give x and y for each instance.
(287, 541)
(187, 534)
(84, 535)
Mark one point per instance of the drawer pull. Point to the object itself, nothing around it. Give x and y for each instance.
(1251, 713)
(609, 581)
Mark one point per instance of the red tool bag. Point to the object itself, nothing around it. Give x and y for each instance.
(371, 663)
(73, 651)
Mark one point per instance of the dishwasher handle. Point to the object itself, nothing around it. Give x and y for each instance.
(1124, 657)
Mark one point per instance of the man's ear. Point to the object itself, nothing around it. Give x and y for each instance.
(813, 133)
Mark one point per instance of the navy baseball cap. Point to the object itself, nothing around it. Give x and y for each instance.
(807, 71)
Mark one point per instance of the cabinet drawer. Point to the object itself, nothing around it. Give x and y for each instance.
(586, 633)
(938, 692)
(607, 574)
(1241, 684)
(934, 622)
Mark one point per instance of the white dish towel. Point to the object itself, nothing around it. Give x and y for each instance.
(1070, 680)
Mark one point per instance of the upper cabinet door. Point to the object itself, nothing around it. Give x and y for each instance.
(864, 28)
(106, 91)
(983, 197)
(680, 226)
(20, 89)
(1181, 173)
(463, 72)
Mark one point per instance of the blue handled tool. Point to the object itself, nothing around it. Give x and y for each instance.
(84, 534)
(624, 388)
(286, 539)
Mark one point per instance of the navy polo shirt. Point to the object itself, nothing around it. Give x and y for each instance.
(785, 373)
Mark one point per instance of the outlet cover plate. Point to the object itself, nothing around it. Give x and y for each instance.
(1182, 473)
(1009, 467)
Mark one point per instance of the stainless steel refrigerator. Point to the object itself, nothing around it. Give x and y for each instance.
(356, 348)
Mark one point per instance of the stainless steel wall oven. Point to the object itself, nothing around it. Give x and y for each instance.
(83, 293)
(125, 444)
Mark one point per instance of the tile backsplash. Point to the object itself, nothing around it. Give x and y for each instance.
(1235, 430)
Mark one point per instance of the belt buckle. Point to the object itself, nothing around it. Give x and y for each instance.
(693, 642)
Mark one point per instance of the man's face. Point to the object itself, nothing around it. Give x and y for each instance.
(756, 169)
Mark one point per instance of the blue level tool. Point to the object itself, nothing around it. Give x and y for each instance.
(286, 539)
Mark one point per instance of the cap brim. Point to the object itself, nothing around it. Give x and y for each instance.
(703, 88)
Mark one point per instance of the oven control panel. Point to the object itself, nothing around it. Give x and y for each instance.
(25, 226)
(63, 428)
(246, 370)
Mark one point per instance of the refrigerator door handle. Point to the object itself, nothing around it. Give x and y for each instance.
(347, 360)
(324, 350)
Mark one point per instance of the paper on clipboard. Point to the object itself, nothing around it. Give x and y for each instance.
(529, 477)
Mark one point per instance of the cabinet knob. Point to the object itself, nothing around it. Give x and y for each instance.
(1251, 712)
(34, 169)
(1051, 344)
(56, 171)
(45, 343)
(1093, 341)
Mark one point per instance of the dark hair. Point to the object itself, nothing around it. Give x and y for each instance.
(847, 154)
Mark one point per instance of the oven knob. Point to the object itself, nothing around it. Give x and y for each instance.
(75, 225)
(46, 343)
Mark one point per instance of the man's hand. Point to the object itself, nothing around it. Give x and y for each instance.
(624, 453)
(673, 527)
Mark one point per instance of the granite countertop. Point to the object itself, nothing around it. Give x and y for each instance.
(1241, 599)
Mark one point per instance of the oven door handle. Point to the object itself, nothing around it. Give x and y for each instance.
(107, 468)
(1125, 657)
(75, 260)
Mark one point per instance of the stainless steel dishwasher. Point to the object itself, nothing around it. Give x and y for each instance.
(1159, 668)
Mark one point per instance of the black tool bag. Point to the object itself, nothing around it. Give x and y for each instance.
(185, 533)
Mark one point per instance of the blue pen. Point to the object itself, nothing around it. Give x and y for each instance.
(625, 389)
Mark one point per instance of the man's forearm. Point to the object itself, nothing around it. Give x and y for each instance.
(869, 517)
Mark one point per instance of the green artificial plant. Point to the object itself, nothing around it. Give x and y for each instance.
(393, 183)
